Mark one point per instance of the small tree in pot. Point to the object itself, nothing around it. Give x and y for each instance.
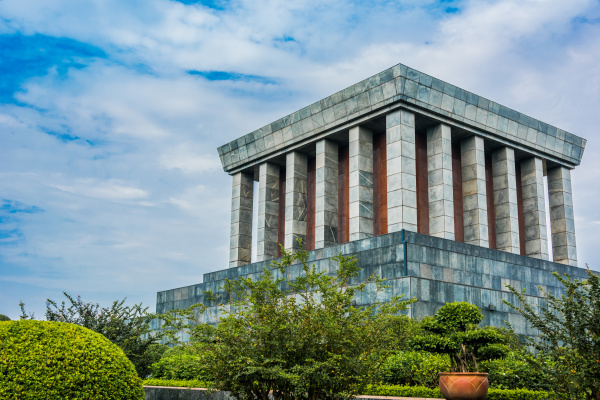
(454, 330)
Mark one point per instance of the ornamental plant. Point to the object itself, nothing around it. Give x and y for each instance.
(295, 333)
(55, 360)
(454, 330)
(568, 333)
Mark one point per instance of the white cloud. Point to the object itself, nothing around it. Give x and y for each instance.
(139, 203)
(190, 160)
(111, 190)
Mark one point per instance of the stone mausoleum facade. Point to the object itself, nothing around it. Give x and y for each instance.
(441, 192)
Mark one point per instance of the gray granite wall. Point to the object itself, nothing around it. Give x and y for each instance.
(241, 219)
(474, 191)
(402, 86)
(401, 171)
(505, 200)
(360, 167)
(534, 208)
(440, 189)
(296, 190)
(433, 270)
(268, 211)
(562, 219)
(326, 194)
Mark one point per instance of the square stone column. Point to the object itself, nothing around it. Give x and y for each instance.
(326, 196)
(268, 211)
(475, 213)
(562, 220)
(534, 208)
(240, 249)
(361, 183)
(439, 170)
(401, 171)
(296, 190)
(505, 200)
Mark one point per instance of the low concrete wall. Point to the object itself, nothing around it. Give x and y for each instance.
(178, 393)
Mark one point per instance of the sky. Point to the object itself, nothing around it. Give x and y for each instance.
(111, 112)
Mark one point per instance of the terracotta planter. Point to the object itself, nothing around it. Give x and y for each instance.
(463, 385)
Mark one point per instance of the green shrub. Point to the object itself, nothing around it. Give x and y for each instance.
(176, 383)
(178, 350)
(517, 370)
(180, 363)
(414, 368)
(57, 360)
(180, 367)
(4, 318)
(416, 391)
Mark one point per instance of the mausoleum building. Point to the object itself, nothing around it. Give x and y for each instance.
(441, 192)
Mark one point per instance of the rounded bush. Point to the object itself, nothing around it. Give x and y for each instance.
(4, 318)
(57, 360)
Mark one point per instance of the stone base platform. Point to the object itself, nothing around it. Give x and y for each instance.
(179, 393)
(432, 270)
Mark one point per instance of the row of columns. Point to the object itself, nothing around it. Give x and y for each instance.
(402, 195)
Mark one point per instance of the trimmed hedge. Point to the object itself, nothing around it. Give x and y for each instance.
(402, 391)
(516, 394)
(419, 391)
(57, 360)
(194, 383)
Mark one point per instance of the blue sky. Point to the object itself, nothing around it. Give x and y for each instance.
(111, 113)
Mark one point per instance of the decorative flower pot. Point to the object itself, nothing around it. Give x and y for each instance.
(463, 385)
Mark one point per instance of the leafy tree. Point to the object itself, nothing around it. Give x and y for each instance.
(4, 318)
(454, 330)
(569, 333)
(24, 315)
(300, 338)
(126, 326)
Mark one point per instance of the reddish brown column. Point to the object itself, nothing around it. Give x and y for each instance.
(380, 222)
(489, 189)
(459, 225)
(310, 205)
(343, 194)
(422, 183)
